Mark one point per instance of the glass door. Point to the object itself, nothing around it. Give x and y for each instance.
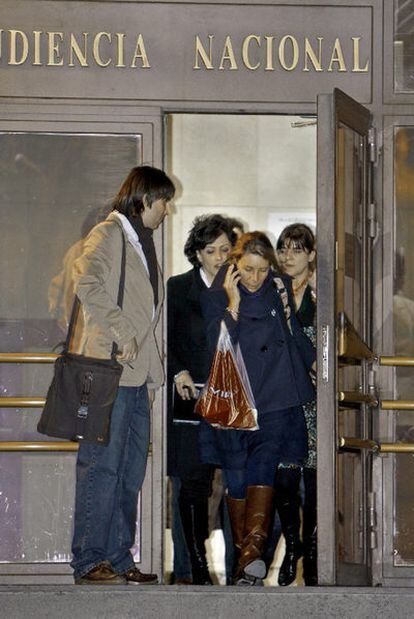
(344, 336)
(55, 187)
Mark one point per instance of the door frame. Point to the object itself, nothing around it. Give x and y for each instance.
(332, 109)
(103, 119)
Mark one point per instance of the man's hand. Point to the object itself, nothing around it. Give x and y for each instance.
(129, 351)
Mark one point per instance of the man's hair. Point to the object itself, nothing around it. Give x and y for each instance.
(206, 229)
(142, 181)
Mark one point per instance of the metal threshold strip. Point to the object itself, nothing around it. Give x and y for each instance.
(352, 444)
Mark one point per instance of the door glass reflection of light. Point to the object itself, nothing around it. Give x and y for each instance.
(55, 187)
(403, 320)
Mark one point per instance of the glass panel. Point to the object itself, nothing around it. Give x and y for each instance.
(350, 282)
(403, 313)
(55, 187)
(404, 45)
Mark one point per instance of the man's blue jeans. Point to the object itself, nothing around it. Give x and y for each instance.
(108, 480)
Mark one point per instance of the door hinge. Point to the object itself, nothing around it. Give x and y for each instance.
(372, 520)
(372, 144)
(372, 220)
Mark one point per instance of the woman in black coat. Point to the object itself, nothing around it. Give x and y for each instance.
(256, 306)
(296, 252)
(207, 248)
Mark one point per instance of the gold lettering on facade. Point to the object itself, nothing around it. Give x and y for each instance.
(295, 52)
(228, 55)
(357, 65)
(250, 52)
(36, 36)
(337, 56)
(201, 52)
(54, 58)
(311, 55)
(245, 51)
(17, 37)
(269, 53)
(75, 50)
(96, 52)
(120, 48)
(140, 52)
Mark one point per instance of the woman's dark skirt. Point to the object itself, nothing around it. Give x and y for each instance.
(282, 436)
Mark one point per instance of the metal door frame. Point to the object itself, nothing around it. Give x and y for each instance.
(332, 109)
(384, 571)
(101, 119)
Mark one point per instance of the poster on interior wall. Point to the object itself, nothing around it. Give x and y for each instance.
(278, 220)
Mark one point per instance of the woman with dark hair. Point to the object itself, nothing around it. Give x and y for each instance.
(296, 253)
(255, 303)
(207, 248)
(108, 478)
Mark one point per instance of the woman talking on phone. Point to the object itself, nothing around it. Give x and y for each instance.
(256, 305)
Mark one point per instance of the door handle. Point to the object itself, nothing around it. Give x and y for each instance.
(357, 444)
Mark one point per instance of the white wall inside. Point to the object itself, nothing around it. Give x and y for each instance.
(260, 169)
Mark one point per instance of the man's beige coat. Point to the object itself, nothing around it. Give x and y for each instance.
(96, 275)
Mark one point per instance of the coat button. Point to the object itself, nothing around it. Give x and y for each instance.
(264, 349)
(273, 312)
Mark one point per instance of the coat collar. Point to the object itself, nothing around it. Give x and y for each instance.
(113, 217)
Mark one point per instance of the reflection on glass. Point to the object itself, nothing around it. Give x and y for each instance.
(403, 315)
(404, 45)
(54, 189)
(350, 276)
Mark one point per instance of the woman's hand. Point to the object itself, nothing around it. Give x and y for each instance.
(185, 386)
(129, 351)
(230, 286)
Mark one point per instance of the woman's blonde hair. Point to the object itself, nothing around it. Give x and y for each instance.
(256, 243)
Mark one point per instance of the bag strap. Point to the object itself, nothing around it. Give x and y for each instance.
(285, 300)
(77, 303)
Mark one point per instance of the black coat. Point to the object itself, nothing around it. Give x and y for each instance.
(187, 350)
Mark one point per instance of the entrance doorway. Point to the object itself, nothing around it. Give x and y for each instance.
(261, 170)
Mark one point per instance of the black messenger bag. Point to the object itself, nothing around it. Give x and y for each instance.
(81, 396)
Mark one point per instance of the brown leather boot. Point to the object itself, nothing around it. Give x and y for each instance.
(237, 511)
(259, 504)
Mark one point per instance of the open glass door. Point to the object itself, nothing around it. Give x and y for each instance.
(344, 337)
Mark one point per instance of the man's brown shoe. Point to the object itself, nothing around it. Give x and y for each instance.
(102, 574)
(136, 577)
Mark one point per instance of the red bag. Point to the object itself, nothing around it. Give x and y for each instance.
(226, 400)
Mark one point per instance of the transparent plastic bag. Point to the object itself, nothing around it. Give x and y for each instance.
(226, 400)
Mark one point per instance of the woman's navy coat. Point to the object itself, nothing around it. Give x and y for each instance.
(277, 361)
